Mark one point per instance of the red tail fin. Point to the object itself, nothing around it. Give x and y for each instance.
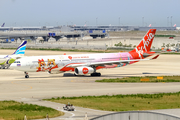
(144, 45)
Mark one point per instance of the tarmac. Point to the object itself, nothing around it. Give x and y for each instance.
(14, 86)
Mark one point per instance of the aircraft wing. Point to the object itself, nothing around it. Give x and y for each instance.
(108, 62)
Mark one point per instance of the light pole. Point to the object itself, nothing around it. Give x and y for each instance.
(96, 21)
(143, 21)
(119, 21)
(71, 23)
(167, 21)
(171, 21)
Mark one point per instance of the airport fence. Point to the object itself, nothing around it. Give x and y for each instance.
(136, 115)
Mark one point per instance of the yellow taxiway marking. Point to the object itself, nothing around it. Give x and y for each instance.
(85, 79)
(29, 87)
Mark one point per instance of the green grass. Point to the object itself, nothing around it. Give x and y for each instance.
(124, 102)
(11, 110)
(164, 36)
(138, 79)
(176, 53)
(76, 50)
(109, 50)
(56, 49)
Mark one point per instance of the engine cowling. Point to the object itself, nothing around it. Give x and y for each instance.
(83, 70)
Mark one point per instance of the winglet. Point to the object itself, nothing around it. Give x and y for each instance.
(21, 49)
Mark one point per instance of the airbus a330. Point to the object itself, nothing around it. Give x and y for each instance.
(83, 64)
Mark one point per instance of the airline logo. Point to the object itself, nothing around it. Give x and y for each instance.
(145, 44)
(85, 70)
(18, 65)
(21, 49)
(70, 57)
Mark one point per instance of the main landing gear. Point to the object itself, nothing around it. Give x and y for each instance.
(26, 75)
(95, 74)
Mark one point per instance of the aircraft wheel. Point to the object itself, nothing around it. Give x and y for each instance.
(26, 76)
(96, 74)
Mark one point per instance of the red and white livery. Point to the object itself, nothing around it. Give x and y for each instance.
(83, 64)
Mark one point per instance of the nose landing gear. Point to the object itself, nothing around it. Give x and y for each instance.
(26, 75)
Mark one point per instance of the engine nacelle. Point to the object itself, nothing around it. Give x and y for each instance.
(84, 70)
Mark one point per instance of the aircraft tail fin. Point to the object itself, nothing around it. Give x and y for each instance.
(3, 25)
(21, 49)
(145, 44)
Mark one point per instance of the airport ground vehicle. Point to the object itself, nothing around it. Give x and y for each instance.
(69, 107)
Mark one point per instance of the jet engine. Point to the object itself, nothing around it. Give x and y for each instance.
(84, 70)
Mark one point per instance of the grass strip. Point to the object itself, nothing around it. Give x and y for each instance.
(124, 102)
(58, 49)
(176, 53)
(11, 110)
(140, 79)
(165, 36)
(109, 50)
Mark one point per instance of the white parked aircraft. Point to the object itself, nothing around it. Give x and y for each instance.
(83, 64)
(7, 60)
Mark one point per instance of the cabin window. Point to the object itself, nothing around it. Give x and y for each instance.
(17, 62)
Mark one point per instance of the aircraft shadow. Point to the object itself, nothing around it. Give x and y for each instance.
(103, 75)
(110, 75)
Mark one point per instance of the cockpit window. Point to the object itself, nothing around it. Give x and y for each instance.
(17, 62)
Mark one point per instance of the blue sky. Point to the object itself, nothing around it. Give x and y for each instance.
(79, 12)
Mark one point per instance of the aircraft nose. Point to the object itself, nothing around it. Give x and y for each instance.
(13, 66)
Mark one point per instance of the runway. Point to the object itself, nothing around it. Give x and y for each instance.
(13, 85)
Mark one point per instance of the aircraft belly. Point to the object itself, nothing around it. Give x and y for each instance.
(31, 70)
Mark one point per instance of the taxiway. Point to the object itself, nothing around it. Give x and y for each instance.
(13, 85)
